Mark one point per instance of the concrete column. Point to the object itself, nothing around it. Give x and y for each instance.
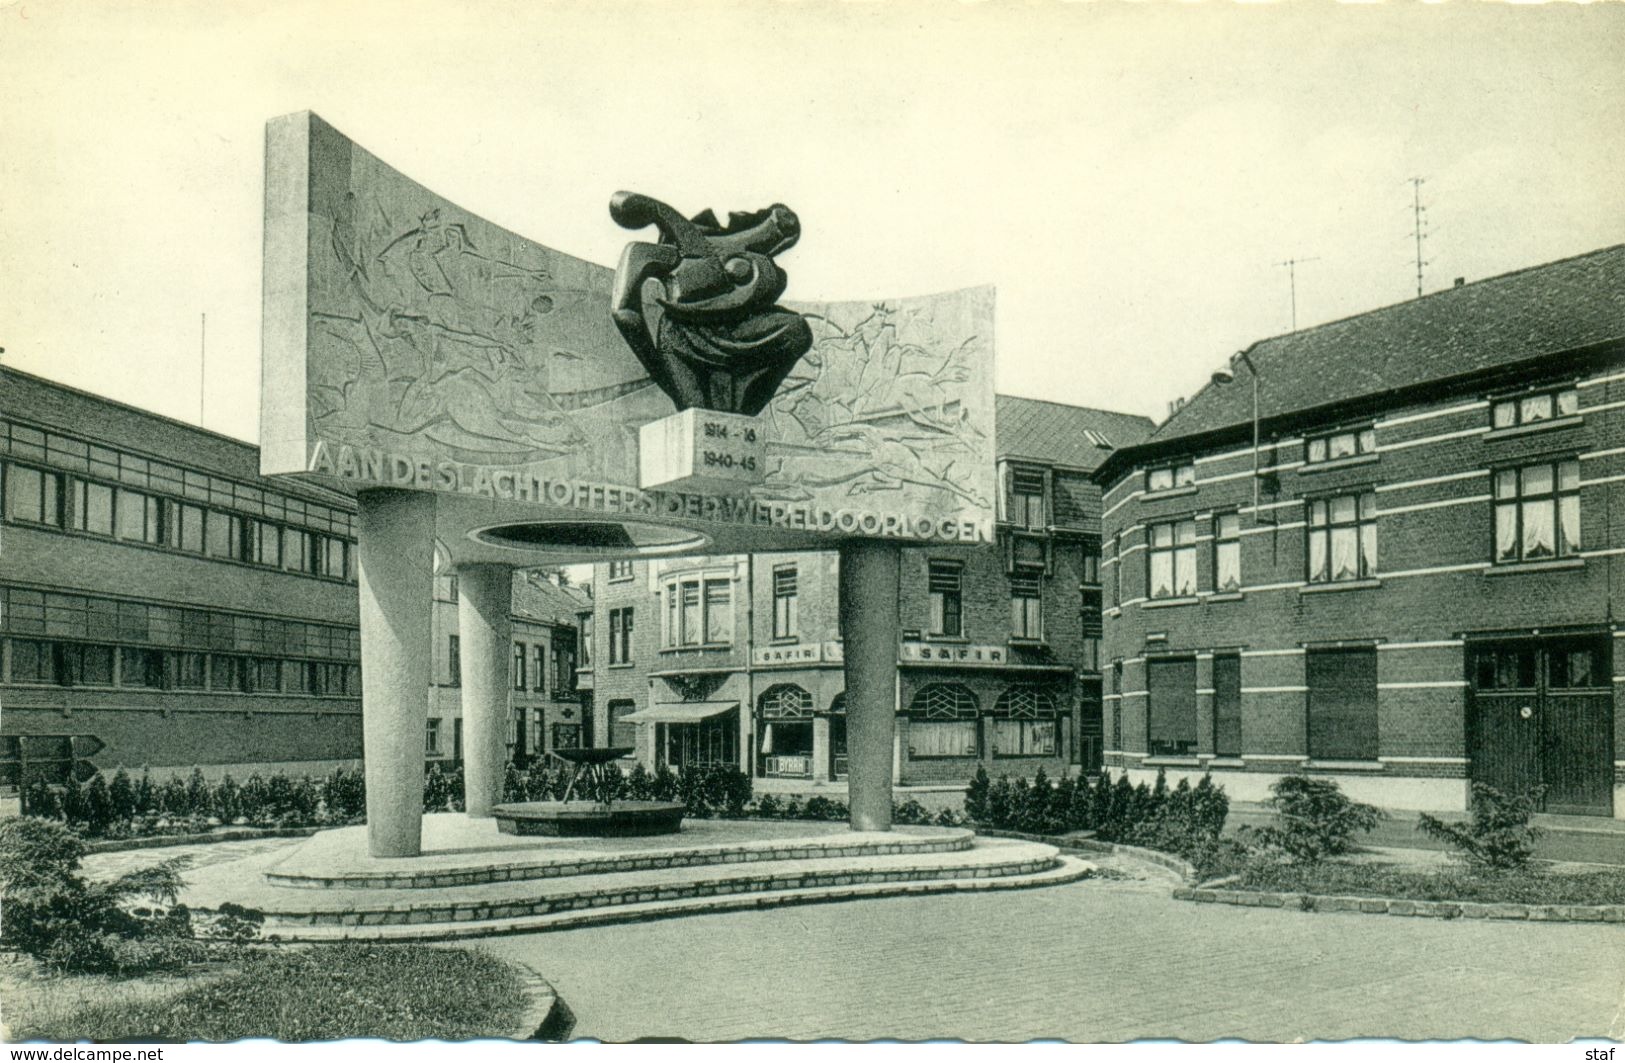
(869, 615)
(395, 551)
(485, 634)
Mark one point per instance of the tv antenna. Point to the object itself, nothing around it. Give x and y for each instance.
(1291, 265)
(1419, 227)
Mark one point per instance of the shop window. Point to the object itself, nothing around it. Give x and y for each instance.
(1342, 704)
(1171, 707)
(1534, 408)
(1171, 559)
(941, 738)
(1537, 512)
(1342, 538)
(1022, 738)
(621, 733)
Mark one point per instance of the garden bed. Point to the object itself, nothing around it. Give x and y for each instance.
(1417, 884)
(395, 992)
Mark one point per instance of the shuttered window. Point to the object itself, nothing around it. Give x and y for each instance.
(1342, 704)
(1171, 696)
(1227, 705)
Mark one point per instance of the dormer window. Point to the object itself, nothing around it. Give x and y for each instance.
(1168, 477)
(1534, 408)
(1338, 445)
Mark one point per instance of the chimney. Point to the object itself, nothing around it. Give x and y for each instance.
(1460, 281)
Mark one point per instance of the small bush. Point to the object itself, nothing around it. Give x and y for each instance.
(54, 915)
(1316, 819)
(1498, 837)
(976, 794)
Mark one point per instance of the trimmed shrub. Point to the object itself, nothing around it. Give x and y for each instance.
(976, 794)
(1499, 836)
(1316, 819)
(910, 812)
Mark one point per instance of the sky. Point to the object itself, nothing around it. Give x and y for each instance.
(1129, 175)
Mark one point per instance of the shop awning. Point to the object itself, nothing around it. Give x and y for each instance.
(680, 712)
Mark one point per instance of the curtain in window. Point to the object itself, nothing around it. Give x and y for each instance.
(1539, 531)
(718, 615)
(1506, 533)
(1568, 514)
(1345, 559)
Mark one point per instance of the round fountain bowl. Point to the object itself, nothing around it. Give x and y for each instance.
(585, 819)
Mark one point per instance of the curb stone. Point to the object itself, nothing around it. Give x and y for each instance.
(1080, 843)
(1398, 906)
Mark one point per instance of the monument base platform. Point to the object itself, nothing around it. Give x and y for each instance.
(473, 880)
(584, 819)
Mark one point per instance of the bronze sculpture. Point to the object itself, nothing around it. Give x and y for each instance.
(721, 343)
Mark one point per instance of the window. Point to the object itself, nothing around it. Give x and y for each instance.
(564, 670)
(1342, 704)
(88, 665)
(942, 738)
(619, 570)
(189, 670)
(1337, 445)
(1227, 551)
(620, 636)
(1117, 572)
(586, 640)
(93, 507)
(264, 543)
(786, 615)
(622, 734)
(1117, 705)
(1171, 707)
(335, 555)
(1537, 512)
(1534, 408)
(299, 677)
(36, 662)
(1343, 538)
(224, 535)
(1026, 606)
(699, 612)
(943, 580)
(140, 668)
(1091, 566)
(538, 671)
(1168, 477)
(264, 675)
(1171, 559)
(454, 661)
(189, 533)
(1089, 658)
(1227, 705)
(140, 517)
(566, 736)
(1027, 498)
(1022, 738)
(1023, 724)
(519, 666)
(431, 738)
(226, 673)
(33, 496)
(943, 701)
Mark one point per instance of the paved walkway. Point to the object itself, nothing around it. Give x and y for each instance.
(1106, 960)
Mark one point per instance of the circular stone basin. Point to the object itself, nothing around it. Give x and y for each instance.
(582, 819)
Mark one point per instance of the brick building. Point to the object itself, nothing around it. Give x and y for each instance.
(159, 594)
(738, 660)
(545, 710)
(1412, 580)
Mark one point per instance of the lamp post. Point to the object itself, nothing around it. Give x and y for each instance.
(1224, 375)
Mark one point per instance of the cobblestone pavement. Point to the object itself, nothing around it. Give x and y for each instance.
(108, 865)
(1107, 960)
